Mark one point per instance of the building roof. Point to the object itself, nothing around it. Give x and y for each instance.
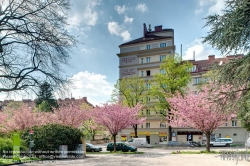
(146, 39)
(149, 35)
(205, 65)
(32, 103)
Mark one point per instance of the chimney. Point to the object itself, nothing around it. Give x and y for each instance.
(144, 30)
(158, 28)
(85, 99)
(194, 55)
(211, 57)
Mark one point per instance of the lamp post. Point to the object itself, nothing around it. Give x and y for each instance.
(31, 144)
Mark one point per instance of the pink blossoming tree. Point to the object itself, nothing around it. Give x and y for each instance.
(116, 117)
(70, 114)
(199, 112)
(22, 118)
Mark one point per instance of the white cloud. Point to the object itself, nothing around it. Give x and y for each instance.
(198, 11)
(94, 86)
(128, 20)
(215, 6)
(90, 16)
(120, 9)
(118, 30)
(142, 7)
(201, 50)
(87, 51)
(83, 15)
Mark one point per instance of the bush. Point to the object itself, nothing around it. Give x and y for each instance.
(6, 144)
(49, 137)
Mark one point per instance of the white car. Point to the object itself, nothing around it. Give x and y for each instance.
(222, 142)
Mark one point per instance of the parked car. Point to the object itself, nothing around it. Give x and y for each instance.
(121, 146)
(222, 142)
(93, 148)
(139, 142)
(175, 143)
(193, 144)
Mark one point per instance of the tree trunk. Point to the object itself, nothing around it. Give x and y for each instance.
(169, 133)
(135, 130)
(114, 136)
(169, 127)
(208, 143)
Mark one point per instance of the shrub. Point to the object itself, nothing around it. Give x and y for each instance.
(6, 144)
(50, 137)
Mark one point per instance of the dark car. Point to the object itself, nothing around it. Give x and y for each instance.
(121, 146)
(175, 143)
(193, 144)
(93, 148)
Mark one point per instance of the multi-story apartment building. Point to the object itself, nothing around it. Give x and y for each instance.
(231, 128)
(143, 57)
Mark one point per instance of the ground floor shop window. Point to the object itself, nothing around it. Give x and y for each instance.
(163, 139)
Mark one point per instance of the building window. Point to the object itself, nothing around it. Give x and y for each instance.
(148, 47)
(234, 123)
(226, 124)
(148, 112)
(162, 71)
(197, 80)
(193, 69)
(148, 99)
(141, 126)
(162, 44)
(162, 125)
(148, 72)
(148, 59)
(141, 60)
(143, 47)
(205, 79)
(142, 73)
(141, 112)
(147, 125)
(162, 57)
(148, 85)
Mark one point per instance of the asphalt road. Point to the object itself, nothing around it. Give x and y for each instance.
(151, 157)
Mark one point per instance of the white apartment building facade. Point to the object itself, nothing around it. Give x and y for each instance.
(143, 57)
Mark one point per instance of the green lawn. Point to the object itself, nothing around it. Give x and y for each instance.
(4, 161)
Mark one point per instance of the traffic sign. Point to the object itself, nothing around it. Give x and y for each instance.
(31, 131)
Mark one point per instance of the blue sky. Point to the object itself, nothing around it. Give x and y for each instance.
(102, 25)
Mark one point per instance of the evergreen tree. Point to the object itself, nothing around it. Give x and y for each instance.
(229, 33)
(45, 98)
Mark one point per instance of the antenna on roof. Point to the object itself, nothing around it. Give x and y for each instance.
(181, 52)
(149, 28)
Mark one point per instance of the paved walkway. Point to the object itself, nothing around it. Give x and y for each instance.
(147, 159)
